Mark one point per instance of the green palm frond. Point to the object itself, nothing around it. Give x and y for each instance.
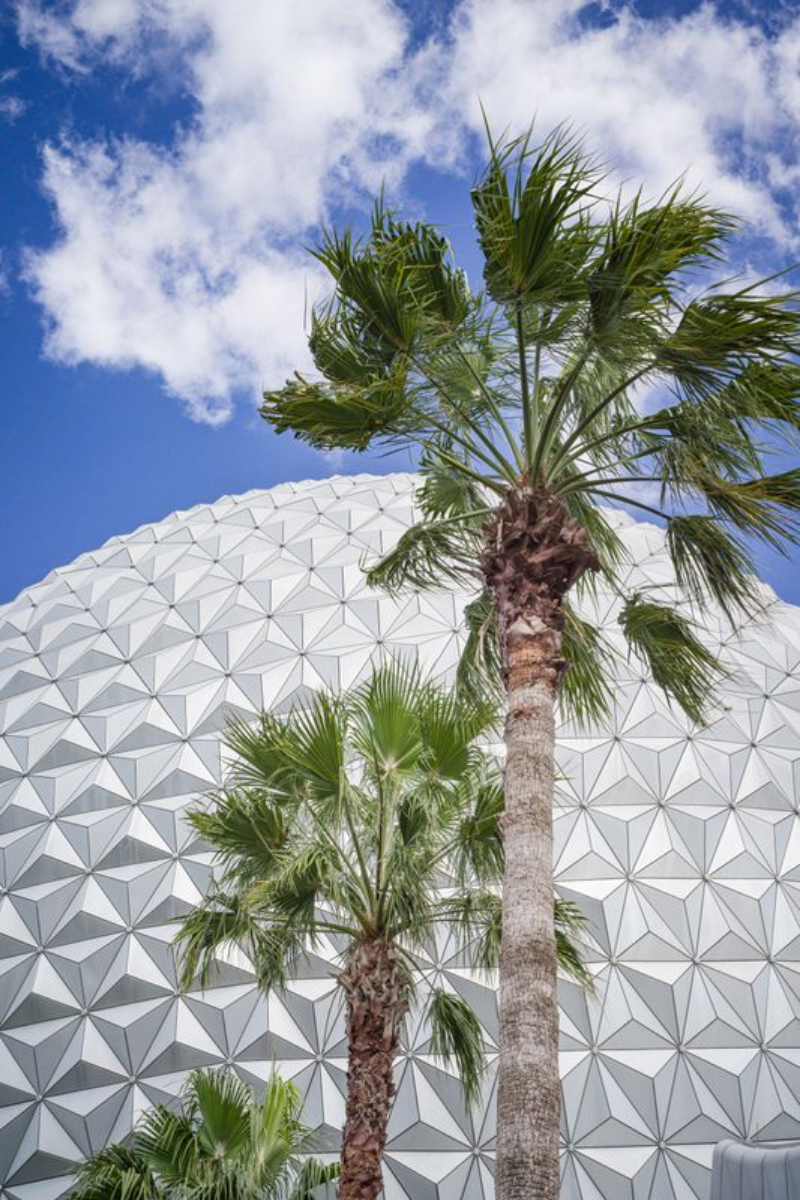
(765, 508)
(446, 493)
(314, 749)
(720, 334)
(478, 845)
(477, 917)
(277, 1138)
(224, 921)
(586, 694)
(220, 1143)
(451, 727)
(680, 663)
(386, 730)
(570, 924)
(479, 671)
(330, 416)
(533, 229)
(429, 553)
(115, 1173)
(312, 1177)
(646, 248)
(710, 562)
(167, 1141)
(457, 1038)
(603, 536)
(259, 751)
(247, 828)
(223, 1103)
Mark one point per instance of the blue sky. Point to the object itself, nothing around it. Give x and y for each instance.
(163, 164)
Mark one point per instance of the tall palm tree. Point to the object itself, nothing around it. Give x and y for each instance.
(599, 366)
(371, 818)
(222, 1144)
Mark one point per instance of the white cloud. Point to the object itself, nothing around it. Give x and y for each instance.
(185, 258)
(701, 95)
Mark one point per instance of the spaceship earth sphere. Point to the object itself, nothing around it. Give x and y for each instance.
(681, 844)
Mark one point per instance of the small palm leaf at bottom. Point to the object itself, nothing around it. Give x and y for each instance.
(220, 1144)
(312, 1177)
(115, 1173)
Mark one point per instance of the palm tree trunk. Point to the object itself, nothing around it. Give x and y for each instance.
(533, 554)
(528, 1088)
(376, 987)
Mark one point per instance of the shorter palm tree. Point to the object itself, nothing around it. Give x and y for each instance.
(374, 819)
(222, 1144)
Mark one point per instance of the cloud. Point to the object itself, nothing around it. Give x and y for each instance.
(184, 259)
(701, 95)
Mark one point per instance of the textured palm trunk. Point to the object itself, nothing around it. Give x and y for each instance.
(376, 987)
(528, 1089)
(533, 554)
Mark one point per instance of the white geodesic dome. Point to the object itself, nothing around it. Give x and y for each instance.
(682, 846)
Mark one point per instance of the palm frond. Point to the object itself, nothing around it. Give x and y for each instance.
(586, 694)
(339, 416)
(426, 554)
(720, 334)
(479, 671)
(167, 1141)
(603, 536)
(764, 507)
(247, 828)
(533, 230)
(115, 1173)
(224, 921)
(678, 660)
(476, 914)
(447, 493)
(312, 1177)
(708, 561)
(478, 845)
(223, 1103)
(457, 1037)
(570, 923)
(450, 726)
(314, 740)
(277, 1138)
(646, 250)
(386, 729)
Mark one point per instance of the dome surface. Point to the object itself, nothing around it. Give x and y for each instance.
(682, 846)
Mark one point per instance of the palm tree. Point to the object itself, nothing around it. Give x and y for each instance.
(373, 819)
(599, 367)
(222, 1144)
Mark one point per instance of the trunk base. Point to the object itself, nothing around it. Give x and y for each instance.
(376, 987)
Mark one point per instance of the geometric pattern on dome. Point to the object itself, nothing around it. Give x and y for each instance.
(681, 845)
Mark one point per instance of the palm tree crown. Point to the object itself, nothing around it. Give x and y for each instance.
(221, 1144)
(372, 819)
(524, 401)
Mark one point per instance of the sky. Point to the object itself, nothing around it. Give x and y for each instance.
(165, 163)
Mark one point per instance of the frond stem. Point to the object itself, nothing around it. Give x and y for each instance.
(596, 411)
(527, 416)
(554, 411)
